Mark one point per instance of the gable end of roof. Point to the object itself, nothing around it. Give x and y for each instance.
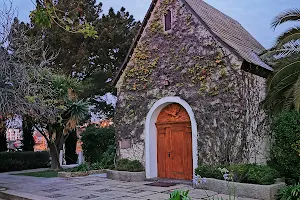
(227, 30)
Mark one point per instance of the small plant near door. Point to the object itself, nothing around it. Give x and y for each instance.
(227, 176)
(180, 195)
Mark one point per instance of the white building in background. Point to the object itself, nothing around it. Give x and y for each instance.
(14, 138)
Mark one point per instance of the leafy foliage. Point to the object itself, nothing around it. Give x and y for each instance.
(283, 91)
(244, 173)
(96, 141)
(97, 166)
(108, 157)
(81, 168)
(129, 165)
(284, 84)
(289, 38)
(16, 161)
(291, 192)
(286, 133)
(180, 195)
(286, 16)
(48, 13)
(94, 61)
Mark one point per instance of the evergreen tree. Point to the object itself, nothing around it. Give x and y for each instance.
(27, 127)
(117, 31)
(3, 142)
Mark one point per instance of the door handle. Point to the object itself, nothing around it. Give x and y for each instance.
(169, 154)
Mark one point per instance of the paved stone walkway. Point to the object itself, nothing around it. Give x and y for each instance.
(94, 187)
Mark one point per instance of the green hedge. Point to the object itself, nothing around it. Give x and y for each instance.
(96, 141)
(15, 161)
(129, 165)
(285, 133)
(243, 173)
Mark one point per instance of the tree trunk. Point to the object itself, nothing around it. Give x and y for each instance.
(54, 152)
(70, 144)
(3, 142)
(28, 141)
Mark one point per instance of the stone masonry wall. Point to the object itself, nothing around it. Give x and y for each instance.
(203, 72)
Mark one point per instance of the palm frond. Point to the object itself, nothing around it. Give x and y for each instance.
(66, 86)
(283, 72)
(275, 54)
(286, 16)
(296, 99)
(76, 111)
(277, 93)
(288, 102)
(289, 36)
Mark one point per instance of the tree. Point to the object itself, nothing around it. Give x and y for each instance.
(23, 62)
(27, 128)
(118, 30)
(73, 49)
(92, 60)
(29, 87)
(71, 112)
(283, 91)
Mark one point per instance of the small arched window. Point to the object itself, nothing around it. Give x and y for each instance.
(168, 20)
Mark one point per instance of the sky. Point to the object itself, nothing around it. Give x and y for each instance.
(254, 15)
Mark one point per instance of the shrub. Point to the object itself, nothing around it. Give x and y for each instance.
(108, 157)
(180, 195)
(96, 166)
(286, 132)
(261, 174)
(15, 161)
(129, 165)
(291, 192)
(96, 141)
(243, 173)
(81, 168)
(209, 172)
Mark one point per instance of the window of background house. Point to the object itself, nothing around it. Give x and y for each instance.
(168, 21)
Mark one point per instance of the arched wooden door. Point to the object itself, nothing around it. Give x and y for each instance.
(174, 143)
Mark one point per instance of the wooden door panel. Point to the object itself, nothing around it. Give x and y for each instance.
(174, 137)
(188, 154)
(176, 169)
(161, 153)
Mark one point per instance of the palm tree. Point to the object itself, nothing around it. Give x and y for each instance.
(71, 112)
(289, 38)
(283, 91)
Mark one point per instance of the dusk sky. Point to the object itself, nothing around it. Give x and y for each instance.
(254, 15)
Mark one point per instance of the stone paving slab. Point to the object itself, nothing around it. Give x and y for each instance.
(93, 187)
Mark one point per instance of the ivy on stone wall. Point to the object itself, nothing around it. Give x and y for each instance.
(201, 71)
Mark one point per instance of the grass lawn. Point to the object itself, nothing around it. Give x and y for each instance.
(45, 174)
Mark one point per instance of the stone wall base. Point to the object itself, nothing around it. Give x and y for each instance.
(126, 176)
(254, 191)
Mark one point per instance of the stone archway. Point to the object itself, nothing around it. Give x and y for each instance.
(151, 134)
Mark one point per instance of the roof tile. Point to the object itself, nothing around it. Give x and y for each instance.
(230, 31)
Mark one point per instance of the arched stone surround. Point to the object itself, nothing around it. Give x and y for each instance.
(151, 138)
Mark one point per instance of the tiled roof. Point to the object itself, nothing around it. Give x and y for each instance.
(229, 31)
(224, 27)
